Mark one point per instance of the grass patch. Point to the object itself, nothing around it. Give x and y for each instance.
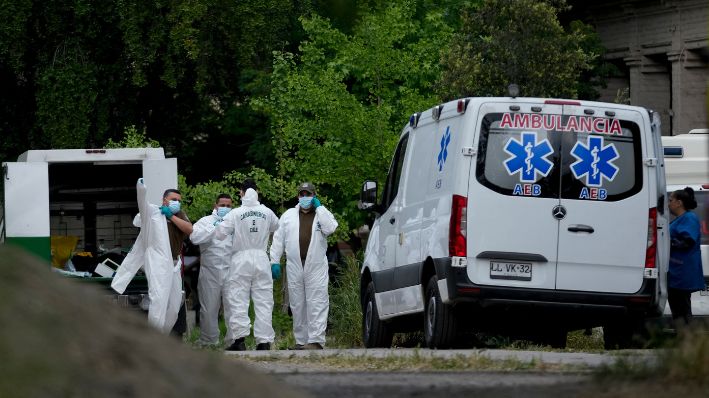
(578, 340)
(345, 317)
(684, 362)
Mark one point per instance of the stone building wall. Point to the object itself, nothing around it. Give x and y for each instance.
(661, 51)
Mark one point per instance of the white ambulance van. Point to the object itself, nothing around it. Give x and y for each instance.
(526, 216)
(687, 165)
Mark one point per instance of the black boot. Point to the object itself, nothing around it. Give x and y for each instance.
(237, 345)
(263, 346)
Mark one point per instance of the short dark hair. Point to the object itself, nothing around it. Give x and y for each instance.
(248, 183)
(686, 196)
(223, 196)
(169, 191)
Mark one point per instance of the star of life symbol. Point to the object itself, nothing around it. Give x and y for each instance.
(528, 157)
(594, 161)
(443, 154)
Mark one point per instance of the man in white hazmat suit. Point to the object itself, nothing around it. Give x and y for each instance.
(215, 260)
(155, 252)
(250, 276)
(302, 233)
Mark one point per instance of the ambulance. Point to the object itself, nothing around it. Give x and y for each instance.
(524, 216)
(687, 165)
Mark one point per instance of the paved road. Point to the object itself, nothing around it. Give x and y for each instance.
(294, 368)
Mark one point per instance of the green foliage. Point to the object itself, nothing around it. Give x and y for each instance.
(519, 41)
(336, 110)
(13, 15)
(622, 96)
(199, 199)
(65, 100)
(345, 317)
(76, 73)
(132, 138)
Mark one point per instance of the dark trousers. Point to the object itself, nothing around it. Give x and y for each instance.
(181, 324)
(680, 304)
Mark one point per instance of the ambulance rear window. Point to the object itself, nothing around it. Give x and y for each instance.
(555, 155)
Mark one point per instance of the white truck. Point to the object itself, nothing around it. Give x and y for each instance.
(87, 195)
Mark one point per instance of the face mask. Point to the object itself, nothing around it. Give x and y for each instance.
(305, 201)
(174, 206)
(222, 211)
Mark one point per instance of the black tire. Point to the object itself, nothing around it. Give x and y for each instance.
(556, 338)
(375, 332)
(617, 336)
(439, 319)
(626, 333)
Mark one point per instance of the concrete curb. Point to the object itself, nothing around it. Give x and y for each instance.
(545, 357)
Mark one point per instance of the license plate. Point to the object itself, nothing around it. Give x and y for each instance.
(704, 292)
(510, 271)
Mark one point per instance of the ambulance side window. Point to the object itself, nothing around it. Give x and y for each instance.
(397, 164)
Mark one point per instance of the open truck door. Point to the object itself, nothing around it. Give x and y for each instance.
(159, 175)
(27, 206)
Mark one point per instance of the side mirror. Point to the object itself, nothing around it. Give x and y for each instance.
(368, 196)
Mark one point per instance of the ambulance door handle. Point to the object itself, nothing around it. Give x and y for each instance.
(581, 228)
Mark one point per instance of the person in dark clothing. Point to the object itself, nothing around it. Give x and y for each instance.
(179, 228)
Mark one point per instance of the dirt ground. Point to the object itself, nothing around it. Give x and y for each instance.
(60, 338)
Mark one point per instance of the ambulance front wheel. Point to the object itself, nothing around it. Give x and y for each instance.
(375, 332)
(440, 321)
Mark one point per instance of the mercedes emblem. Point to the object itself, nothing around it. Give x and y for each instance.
(558, 212)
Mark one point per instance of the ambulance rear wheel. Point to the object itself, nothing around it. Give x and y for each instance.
(439, 325)
(375, 332)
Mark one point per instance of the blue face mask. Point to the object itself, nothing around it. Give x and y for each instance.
(305, 201)
(222, 211)
(174, 206)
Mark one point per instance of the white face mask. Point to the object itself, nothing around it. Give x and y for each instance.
(222, 211)
(305, 201)
(174, 206)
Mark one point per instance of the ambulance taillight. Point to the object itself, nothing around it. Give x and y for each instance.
(650, 261)
(457, 238)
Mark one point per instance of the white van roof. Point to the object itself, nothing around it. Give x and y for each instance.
(686, 158)
(126, 155)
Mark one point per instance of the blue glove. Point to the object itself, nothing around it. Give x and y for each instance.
(276, 271)
(166, 211)
(316, 202)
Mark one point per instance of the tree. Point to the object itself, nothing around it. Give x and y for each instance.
(516, 41)
(337, 109)
(75, 73)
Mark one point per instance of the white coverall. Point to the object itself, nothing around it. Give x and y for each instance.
(250, 276)
(307, 283)
(152, 252)
(215, 258)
